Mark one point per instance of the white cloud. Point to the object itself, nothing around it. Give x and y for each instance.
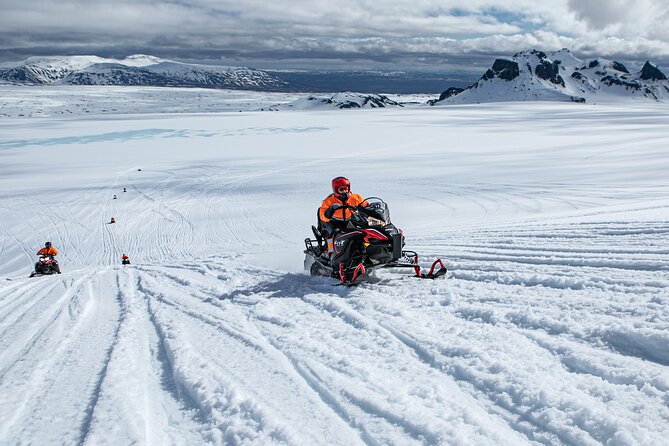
(341, 29)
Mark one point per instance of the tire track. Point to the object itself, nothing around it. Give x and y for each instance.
(67, 367)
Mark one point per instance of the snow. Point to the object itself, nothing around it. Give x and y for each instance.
(74, 63)
(30, 101)
(341, 100)
(138, 69)
(596, 81)
(551, 327)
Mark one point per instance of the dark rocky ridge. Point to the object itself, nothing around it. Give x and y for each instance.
(446, 94)
(342, 100)
(620, 67)
(503, 69)
(651, 72)
(550, 72)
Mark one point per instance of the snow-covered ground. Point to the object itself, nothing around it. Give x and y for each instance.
(71, 101)
(552, 326)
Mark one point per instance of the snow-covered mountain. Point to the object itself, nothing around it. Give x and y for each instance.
(560, 76)
(345, 99)
(134, 70)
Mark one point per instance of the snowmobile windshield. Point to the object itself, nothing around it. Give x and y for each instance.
(376, 212)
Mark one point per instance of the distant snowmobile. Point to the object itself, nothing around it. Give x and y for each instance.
(370, 241)
(45, 266)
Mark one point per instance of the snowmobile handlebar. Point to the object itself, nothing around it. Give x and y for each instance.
(339, 206)
(329, 212)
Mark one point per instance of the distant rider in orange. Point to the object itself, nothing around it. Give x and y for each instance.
(331, 217)
(50, 251)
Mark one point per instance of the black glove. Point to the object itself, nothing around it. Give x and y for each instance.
(329, 212)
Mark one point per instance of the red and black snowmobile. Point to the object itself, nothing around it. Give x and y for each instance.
(46, 265)
(369, 241)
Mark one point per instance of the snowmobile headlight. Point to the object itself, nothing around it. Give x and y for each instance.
(371, 221)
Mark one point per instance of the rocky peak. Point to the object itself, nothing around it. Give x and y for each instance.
(539, 54)
(651, 72)
(504, 69)
(550, 72)
(452, 91)
(619, 67)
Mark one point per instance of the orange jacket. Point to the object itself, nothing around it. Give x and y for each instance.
(50, 251)
(339, 214)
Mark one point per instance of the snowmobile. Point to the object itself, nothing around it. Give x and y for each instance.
(370, 241)
(45, 266)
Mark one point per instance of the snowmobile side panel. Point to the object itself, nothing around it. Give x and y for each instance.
(397, 246)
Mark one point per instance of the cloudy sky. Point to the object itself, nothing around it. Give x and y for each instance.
(382, 34)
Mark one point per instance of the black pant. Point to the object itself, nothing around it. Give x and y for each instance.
(330, 228)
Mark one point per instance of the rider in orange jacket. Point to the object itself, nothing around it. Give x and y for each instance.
(332, 218)
(50, 251)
